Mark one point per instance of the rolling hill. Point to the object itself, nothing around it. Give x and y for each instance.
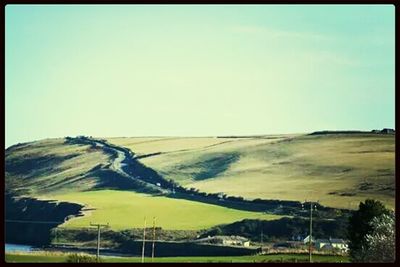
(83, 170)
(339, 170)
(134, 177)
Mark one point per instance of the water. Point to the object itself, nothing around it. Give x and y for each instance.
(16, 247)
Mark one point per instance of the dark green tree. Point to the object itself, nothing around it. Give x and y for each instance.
(359, 226)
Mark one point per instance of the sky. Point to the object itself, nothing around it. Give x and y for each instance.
(176, 70)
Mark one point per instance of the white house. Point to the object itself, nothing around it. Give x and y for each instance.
(225, 240)
(331, 243)
(246, 244)
(323, 243)
(339, 244)
(307, 239)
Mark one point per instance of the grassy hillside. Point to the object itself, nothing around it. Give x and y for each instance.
(148, 145)
(182, 159)
(63, 170)
(52, 165)
(339, 170)
(124, 210)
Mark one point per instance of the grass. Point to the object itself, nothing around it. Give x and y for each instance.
(148, 145)
(37, 258)
(183, 159)
(339, 170)
(54, 165)
(124, 210)
(34, 258)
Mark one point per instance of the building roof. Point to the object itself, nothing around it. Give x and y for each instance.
(223, 237)
(308, 237)
(337, 240)
(323, 241)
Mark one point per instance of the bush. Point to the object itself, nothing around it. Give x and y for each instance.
(81, 258)
(360, 226)
(382, 241)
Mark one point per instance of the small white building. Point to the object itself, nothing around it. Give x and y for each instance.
(307, 239)
(339, 244)
(323, 243)
(235, 241)
(246, 244)
(331, 243)
(225, 240)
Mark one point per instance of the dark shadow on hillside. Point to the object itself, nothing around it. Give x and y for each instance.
(26, 219)
(34, 165)
(211, 166)
(17, 147)
(149, 155)
(108, 179)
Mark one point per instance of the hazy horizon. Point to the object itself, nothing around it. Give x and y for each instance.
(193, 136)
(139, 70)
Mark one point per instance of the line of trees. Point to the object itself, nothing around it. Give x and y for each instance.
(282, 229)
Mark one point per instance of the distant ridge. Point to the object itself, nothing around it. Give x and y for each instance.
(249, 136)
(338, 132)
(383, 131)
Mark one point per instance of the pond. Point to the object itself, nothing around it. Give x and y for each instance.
(16, 247)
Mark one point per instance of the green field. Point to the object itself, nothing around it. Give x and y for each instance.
(37, 258)
(33, 258)
(339, 170)
(124, 210)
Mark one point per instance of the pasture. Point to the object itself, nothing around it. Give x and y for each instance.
(126, 209)
(43, 257)
(339, 170)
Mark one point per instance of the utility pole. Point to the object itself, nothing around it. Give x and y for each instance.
(312, 205)
(55, 236)
(98, 238)
(154, 238)
(261, 241)
(310, 240)
(144, 239)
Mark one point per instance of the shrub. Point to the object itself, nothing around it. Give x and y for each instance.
(382, 241)
(81, 258)
(360, 226)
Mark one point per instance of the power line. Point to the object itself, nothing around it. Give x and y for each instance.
(154, 238)
(313, 205)
(310, 242)
(98, 238)
(144, 239)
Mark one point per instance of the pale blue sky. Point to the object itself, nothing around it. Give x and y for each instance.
(197, 70)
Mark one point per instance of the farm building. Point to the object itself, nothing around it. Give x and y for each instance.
(331, 243)
(307, 239)
(323, 243)
(225, 240)
(339, 244)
